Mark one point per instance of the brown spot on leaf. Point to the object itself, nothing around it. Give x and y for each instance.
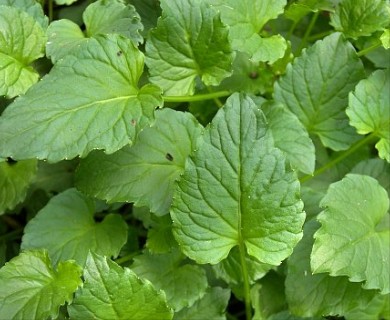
(169, 156)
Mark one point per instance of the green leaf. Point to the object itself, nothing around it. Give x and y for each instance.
(100, 17)
(385, 39)
(360, 18)
(182, 283)
(15, 178)
(300, 8)
(31, 289)
(310, 294)
(111, 292)
(31, 7)
(190, 41)
(144, 173)
(69, 216)
(354, 239)
(67, 2)
(150, 11)
(22, 40)
(73, 110)
(316, 86)
(369, 109)
(237, 191)
(160, 238)
(246, 18)
(291, 137)
(211, 306)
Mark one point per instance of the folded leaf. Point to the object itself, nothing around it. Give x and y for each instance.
(69, 216)
(15, 178)
(111, 292)
(144, 173)
(246, 18)
(360, 18)
(190, 41)
(183, 283)
(316, 86)
(237, 191)
(369, 109)
(31, 289)
(22, 40)
(74, 110)
(354, 239)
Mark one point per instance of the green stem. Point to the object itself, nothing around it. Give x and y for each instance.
(319, 35)
(307, 33)
(245, 276)
(51, 10)
(198, 97)
(291, 30)
(369, 49)
(340, 157)
(126, 258)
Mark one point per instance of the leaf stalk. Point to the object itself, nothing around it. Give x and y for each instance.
(197, 97)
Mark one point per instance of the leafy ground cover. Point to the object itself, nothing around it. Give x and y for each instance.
(194, 159)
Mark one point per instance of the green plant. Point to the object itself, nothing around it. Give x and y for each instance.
(241, 172)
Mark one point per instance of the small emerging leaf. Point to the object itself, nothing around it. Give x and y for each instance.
(31, 289)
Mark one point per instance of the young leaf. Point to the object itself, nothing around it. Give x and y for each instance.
(73, 110)
(237, 191)
(211, 306)
(354, 239)
(31, 7)
(316, 86)
(190, 41)
(31, 289)
(69, 216)
(22, 40)
(291, 137)
(360, 18)
(311, 295)
(246, 18)
(369, 109)
(112, 292)
(14, 181)
(385, 39)
(182, 283)
(144, 173)
(100, 17)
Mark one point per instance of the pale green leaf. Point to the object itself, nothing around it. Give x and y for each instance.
(291, 137)
(111, 292)
(211, 306)
(182, 283)
(69, 217)
(385, 39)
(360, 18)
(31, 289)
(144, 173)
(15, 178)
(354, 239)
(190, 41)
(311, 295)
(237, 191)
(74, 110)
(300, 8)
(369, 109)
(315, 88)
(246, 18)
(22, 40)
(66, 2)
(32, 7)
(100, 17)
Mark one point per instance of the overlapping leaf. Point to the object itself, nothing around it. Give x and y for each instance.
(354, 239)
(14, 181)
(100, 17)
(316, 86)
(32, 7)
(111, 292)
(296, 10)
(361, 18)
(31, 289)
(190, 41)
(22, 40)
(369, 109)
(237, 191)
(311, 295)
(246, 18)
(76, 109)
(144, 173)
(182, 283)
(69, 216)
